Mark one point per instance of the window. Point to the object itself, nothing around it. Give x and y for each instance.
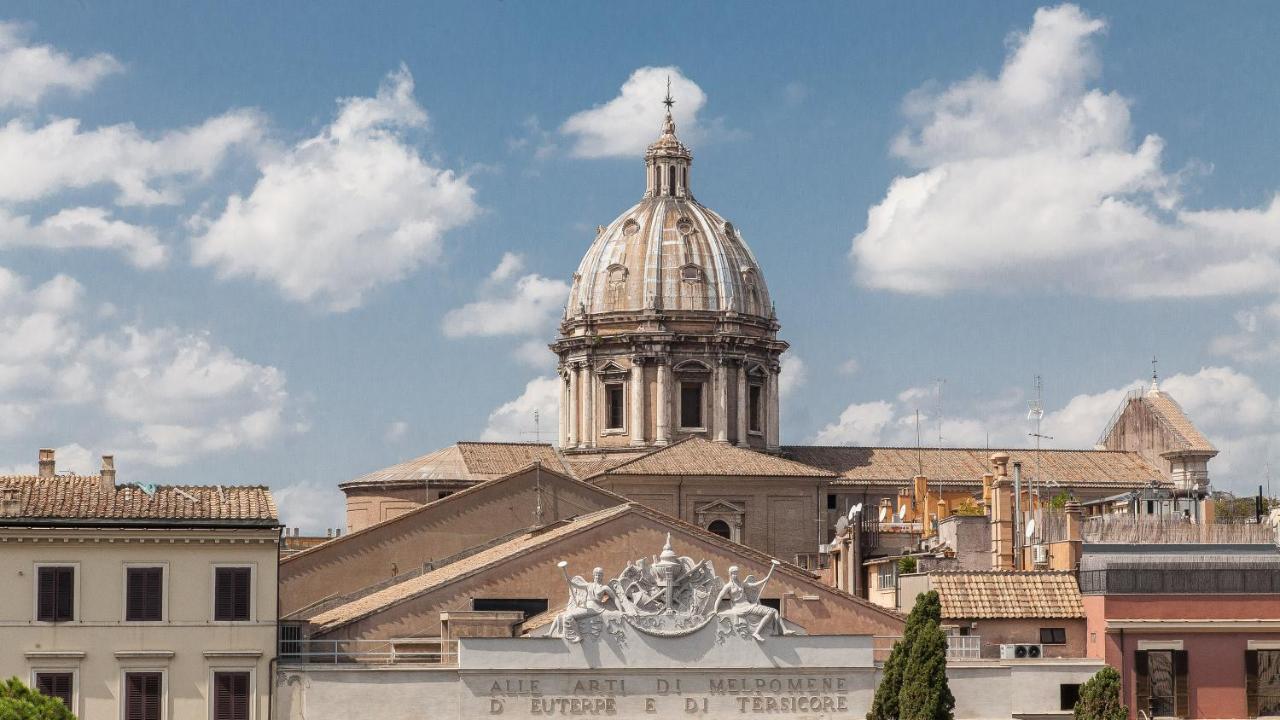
(1068, 694)
(231, 593)
(56, 593)
(614, 406)
(691, 405)
(753, 408)
(1053, 636)
(56, 684)
(144, 594)
(231, 696)
(719, 527)
(444, 494)
(143, 698)
(775, 603)
(291, 640)
(831, 502)
(887, 575)
(691, 273)
(1262, 682)
(1161, 680)
(528, 606)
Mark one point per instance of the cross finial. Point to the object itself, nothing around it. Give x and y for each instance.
(668, 101)
(1155, 376)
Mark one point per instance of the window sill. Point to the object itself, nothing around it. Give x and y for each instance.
(691, 429)
(613, 431)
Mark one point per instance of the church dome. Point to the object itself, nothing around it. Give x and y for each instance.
(668, 252)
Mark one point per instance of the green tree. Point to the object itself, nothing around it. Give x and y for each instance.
(884, 706)
(1100, 697)
(19, 702)
(906, 565)
(925, 693)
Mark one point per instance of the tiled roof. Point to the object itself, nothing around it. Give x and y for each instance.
(698, 456)
(1005, 594)
(1169, 411)
(965, 466)
(466, 461)
(585, 466)
(79, 498)
(408, 589)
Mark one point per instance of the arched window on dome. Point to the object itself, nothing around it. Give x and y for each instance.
(671, 180)
(721, 528)
(684, 179)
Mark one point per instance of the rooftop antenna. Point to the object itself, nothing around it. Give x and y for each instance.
(1155, 376)
(537, 428)
(938, 383)
(919, 449)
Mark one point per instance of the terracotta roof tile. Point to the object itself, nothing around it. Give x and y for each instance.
(466, 461)
(965, 466)
(698, 456)
(1171, 413)
(80, 497)
(1004, 594)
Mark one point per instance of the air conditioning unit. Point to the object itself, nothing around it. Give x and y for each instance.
(1020, 651)
(1040, 554)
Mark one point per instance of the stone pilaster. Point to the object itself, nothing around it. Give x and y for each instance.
(744, 406)
(573, 406)
(662, 403)
(637, 401)
(721, 429)
(771, 427)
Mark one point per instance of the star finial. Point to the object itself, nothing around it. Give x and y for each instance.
(668, 101)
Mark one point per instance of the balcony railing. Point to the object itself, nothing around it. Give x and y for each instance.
(959, 647)
(813, 561)
(419, 651)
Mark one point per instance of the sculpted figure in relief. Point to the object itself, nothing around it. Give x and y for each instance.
(744, 601)
(587, 601)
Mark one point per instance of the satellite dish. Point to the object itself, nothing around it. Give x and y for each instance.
(1031, 528)
(902, 512)
(854, 511)
(841, 525)
(883, 511)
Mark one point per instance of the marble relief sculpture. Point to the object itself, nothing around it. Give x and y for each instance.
(670, 597)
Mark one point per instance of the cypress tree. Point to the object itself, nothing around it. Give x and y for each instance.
(885, 704)
(925, 694)
(1100, 697)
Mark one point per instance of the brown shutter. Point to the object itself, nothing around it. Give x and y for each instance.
(232, 593)
(1180, 688)
(144, 598)
(142, 696)
(47, 600)
(242, 593)
(1251, 681)
(231, 696)
(1141, 683)
(66, 584)
(55, 685)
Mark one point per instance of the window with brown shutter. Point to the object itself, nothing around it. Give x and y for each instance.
(231, 593)
(1181, 686)
(55, 600)
(231, 696)
(143, 696)
(55, 684)
(144, 594)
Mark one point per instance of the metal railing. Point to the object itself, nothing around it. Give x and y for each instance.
(959, 647)
(420, 651)
(1160, 530)
(813, 561)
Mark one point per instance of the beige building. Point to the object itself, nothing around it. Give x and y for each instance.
(139, 602)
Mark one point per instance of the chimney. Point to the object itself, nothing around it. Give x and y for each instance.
(47, 469)
(10, 501)
(1075, 533)
(1001, 524)
(1000, 464)
(987, 479)
(107, 475)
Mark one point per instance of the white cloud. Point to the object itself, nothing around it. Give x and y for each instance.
(1028, 178)
(29, 72)
(396, 431)
(343, 212)
(850, 367)
(793, 376)
(83, 227)
(59, 156)
(513, 420)
(1228, 406)
(510, 304)
(152, 396)
(312, 506)
(627, 124)
(1257, 338)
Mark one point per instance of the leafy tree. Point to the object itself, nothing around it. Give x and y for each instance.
(968, 508)
(906, 565)
(1059, 501)
(884, 706)
(1100, 697)
(19, 702)
(925, 693)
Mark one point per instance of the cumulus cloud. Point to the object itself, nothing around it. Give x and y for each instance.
(396, 431)
(512, 302)
(1028, 178)
(312, 506)
(513, 420)
(58, 156)
(625, 125)
(1228, 406)
(153, 396)
(793, 376)
(83, 227)
(343, 212)
(1256, 339)
(29, 72)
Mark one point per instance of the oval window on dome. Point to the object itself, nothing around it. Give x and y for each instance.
(630, 227)
(691, 273)
(684, 226)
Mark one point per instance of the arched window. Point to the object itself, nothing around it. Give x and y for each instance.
(671, 180)
(719, 527)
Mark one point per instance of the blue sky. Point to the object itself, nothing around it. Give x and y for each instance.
(246, 243)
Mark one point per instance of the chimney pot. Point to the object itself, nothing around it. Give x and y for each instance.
(107, 475)
(47, 466)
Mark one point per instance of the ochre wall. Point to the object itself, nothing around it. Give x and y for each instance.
(448, 527)
(997, 632)
(611, 545)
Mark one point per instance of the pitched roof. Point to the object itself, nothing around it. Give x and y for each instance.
(1005, 594)
(1173, 417)
(409, 589)
(964, 466)
(465, 461)
(80, 499)
(696, 455)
